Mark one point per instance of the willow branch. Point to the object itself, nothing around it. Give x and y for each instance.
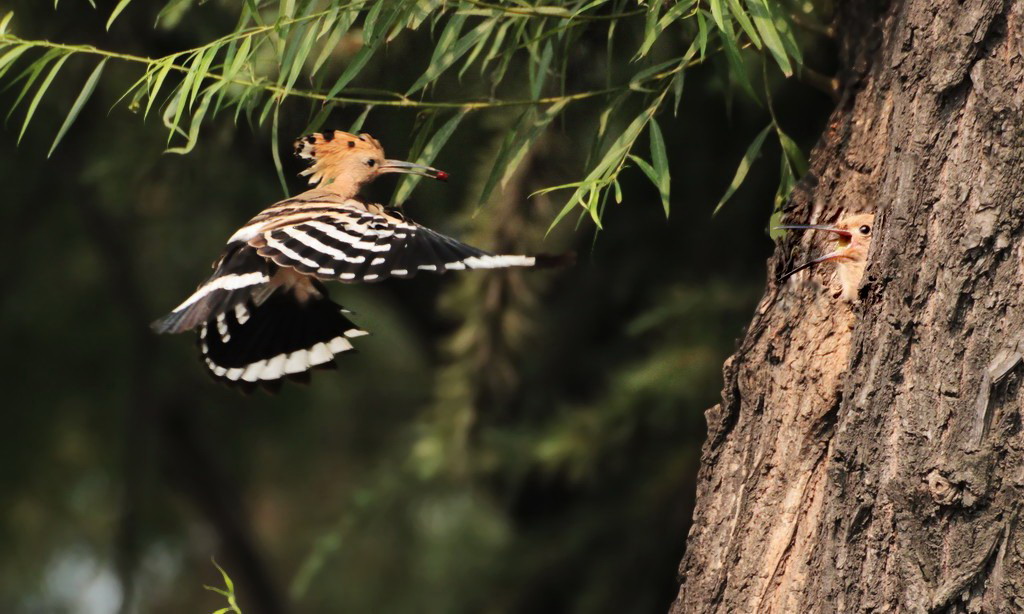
(398, 100)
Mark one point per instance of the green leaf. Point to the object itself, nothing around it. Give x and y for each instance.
(744, 167)
(586, 195)
(7, 19)
(793, 153)
(677, 90)
(76, 108)
(299, 58)
(785, 29)
(538, 71)
(165, 67)
(340, 29)
(785, 188)
(117, 11)
(718, 13)
(702, 34)
(651, 30)
(517, 142)
(446, 53)
(636, 80)
(660, 159)
(408, 182)
(318, 120)
(197, 121)
(276, 153)
(7, 59)
(358, 62)
(39, 93)
(737, 67)
(736, 11)
(646, 167)
(651, 34)
(479, 47)
(763, 20)
(201, 67)
(181, 100)
(30, 74)
(358, 124)
(239, 59)
(499, 38)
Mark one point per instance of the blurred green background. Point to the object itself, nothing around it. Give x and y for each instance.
(504, 442)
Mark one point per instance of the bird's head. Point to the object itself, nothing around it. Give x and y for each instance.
(853, 237)
(344, 162)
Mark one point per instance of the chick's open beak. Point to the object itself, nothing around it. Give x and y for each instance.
(411, 168)
(844, 242)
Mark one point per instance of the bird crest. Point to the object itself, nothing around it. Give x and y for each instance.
(326, 152)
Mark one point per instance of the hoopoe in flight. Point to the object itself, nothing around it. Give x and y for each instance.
(264, 313)
(853, 236)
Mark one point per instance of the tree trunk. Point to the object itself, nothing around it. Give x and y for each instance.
(870, 457)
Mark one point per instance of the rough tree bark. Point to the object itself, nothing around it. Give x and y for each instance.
(871, 457)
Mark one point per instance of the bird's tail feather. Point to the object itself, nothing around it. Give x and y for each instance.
(282, 337)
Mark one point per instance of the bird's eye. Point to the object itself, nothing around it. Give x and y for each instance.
(865, 230)
(371, 162)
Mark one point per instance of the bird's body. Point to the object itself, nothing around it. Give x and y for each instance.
(853, 238)
(265, 314)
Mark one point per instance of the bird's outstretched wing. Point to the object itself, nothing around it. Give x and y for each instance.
(352, 242)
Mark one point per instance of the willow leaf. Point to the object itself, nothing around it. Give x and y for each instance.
(512, 137)
(792, 153)
(358, 124)
(165, 67)
(341, 27)
(197, 120)
(276, 152)
(427, 156)
(646, 167)
(178, 106)
(7, 59)
(240, 57)
(76, 108)
(479, 47)
(763, 20)
(636, 81)
(736, 11)
(448, 50)
(784, 27)
(651, 30)
(702, 34)
(737, 67)
(299, 58)
(117, 11)
(39, 93)
(202, 68)
(744, 167)
(718, 14)
(352, 70)
(30, 75)
(659, 158)
(539, 71)
(318, 120)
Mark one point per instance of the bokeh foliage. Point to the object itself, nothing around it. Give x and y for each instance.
(505, 441)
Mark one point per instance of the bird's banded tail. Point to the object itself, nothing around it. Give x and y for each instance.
(282, 337)
(259, 323)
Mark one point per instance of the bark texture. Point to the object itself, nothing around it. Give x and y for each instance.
(870, 457)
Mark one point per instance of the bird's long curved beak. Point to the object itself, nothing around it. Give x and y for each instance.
(846, 234)
(411, 168)
(844, 241)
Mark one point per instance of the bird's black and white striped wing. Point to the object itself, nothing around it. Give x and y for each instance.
(352, 244)
(238, 273)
